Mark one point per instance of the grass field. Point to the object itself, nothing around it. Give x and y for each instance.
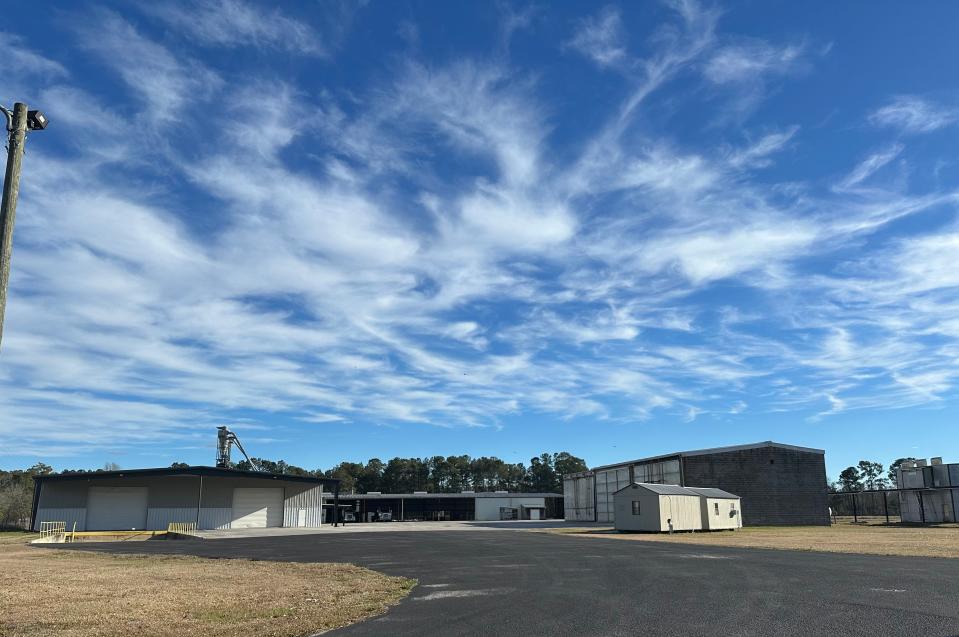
(48, 592)
(871, 538)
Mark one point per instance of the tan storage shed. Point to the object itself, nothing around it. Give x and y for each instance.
(656, 508)
(720, 509)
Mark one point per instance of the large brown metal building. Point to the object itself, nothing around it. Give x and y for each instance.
(779, 484)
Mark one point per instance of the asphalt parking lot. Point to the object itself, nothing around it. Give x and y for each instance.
(515, 582)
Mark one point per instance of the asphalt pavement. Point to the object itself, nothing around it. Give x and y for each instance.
(514, 582)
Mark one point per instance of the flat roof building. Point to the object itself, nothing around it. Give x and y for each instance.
(467, 505)
(779, 484)
(210, 497)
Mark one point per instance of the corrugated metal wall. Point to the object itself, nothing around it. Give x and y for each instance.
(608, 482)
(68, 515)
(215, 518)
(310, 502)
(159, 518)
(578, 502)
(658, 472)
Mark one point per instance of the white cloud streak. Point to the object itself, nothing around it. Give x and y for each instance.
(601, 38)
(421, 252)
(234, 23)
(913, 114)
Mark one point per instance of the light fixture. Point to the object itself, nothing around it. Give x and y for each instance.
(36, 120)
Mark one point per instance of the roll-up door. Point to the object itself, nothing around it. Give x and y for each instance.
(257, 508)
(116, 508)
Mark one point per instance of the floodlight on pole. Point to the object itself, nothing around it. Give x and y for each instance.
(19, 121)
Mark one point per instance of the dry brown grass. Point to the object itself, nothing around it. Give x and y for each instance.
(872, 539)
(73, 593)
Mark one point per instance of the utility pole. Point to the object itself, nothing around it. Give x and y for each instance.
(17, 125)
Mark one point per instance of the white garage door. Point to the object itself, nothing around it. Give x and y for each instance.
(116, 508)
(257, 508)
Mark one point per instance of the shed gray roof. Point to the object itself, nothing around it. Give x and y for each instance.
(661, 489)
(711, 492)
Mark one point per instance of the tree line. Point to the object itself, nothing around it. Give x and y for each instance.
(16, 495)
(867, 476)
(439, 474)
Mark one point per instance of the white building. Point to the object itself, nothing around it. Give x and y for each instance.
(720, 509)
(657, 507)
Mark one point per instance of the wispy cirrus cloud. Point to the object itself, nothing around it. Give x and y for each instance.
(165, 82)
(869, 166)
(235, 23)
(914, 114)
(601, 38)
(20, 59)
(439, 242)
(750, 61)
(757, 154)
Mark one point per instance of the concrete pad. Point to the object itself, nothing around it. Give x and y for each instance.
(483, 581)
(390, 527)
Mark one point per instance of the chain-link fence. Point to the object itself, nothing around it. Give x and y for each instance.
(866, 504)
(930, 505)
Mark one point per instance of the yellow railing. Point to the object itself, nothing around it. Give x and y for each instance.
(48, 529)
(183, 528)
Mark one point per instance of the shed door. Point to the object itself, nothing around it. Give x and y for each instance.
(116, 508)
(257, 508)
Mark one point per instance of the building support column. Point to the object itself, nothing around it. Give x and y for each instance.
(336, 505)
(199, 502)
(37, 487)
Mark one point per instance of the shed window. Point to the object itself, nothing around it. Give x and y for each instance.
(635, 507)
(716, 505)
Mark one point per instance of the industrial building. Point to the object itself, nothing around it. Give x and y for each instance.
(779, 484)
(210, 497)
(468, 505)
(929, 493)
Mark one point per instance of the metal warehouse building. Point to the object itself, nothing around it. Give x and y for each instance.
(468, 505)
(779, 484)
(213, 498)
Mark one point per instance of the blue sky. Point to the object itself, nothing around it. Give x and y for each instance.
(405, 228)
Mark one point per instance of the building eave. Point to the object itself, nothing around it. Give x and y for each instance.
(769, 444)
(183, 471)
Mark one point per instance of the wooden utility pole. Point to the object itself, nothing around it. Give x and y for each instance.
(11, 189)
